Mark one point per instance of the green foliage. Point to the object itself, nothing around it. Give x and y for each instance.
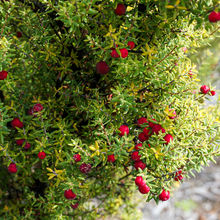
(54, 63)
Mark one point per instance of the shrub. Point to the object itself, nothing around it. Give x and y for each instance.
(79, 84)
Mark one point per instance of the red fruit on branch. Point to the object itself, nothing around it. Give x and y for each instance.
(102, 67)
(168, 138)
(178, 175)
(213, 93)
(124, 52)
(16, 123)
(12, 168)
(131, 44)
(204, 89)
(114, 54)
(144, 189)
(137, 146)
(77, 157)
(139, 181)
(139, 164)
(142, 137)
(38, 107)
(120, 9)
(41, 155)
(164, 196)
(75, 206)
(214, 16)
(141, 121)
(20, 142)
(3, 74)
(111, 158)
(157, 128)
(85, 167)
(124, 130)
(135, 156)
(69, 194)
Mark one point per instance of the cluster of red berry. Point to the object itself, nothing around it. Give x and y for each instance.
(102, 67)
(84, 168)
(205, 90)
(70, 195)
(16, 123)
(144, 189)
(150, 129)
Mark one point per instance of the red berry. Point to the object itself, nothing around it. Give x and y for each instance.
(12, 168)
(213, 16)
(179, 172)
(77, 157)
(123, 129)
(213, 93)
(142, 137)
(124, 52)
(139, 181)
(139, 164)
(178, 175)
(69, 194)
(137, 147)
(38, 107)
(174, 114)
(168, 138)
(20, 142)
(111, 158)
(164, 196)
(144, 189)
(131, 44)
(114, 54)
(157, 128)
(102, 67)
(85, 167)
(120, 10)
(147, 132)
(204, 89)
(135, 156)
(19, 34)
(41, 155)
(16, 123)
(141, 121)
(75, 206)
(3, 74)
